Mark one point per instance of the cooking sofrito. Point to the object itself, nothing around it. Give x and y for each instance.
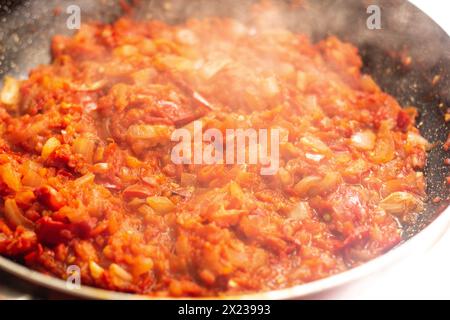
(87, 178)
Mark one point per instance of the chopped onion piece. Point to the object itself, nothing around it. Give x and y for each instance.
(307, 185)
(142, 266)
(10, 92)
(285, 176)
(313, 186)
(10, 177)
(385, 145)
(161, 205)
(364, 140)
(14, 215)
(415, 139)
(49, 146)
(153, 134)
(119, 275)
(88, 87)
(301, 211)
(95, 270)
(315, 144)
(87, 178)
(186, 36)
(401, 203)
(270, 86)
(211, 67)
(32, 179)
(188, 179)
(314, 157)
(301, 80)
(85, 146)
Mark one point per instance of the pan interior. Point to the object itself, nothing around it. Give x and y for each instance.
(25, 44)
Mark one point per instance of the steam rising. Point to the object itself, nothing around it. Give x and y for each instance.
(26, 29)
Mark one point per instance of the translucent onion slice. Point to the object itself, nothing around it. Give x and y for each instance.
(401, 203)
(15, 216)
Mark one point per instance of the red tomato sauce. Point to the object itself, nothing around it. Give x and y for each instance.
(86, 177)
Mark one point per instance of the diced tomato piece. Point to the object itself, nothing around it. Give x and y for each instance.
(49, 197)
(403, 120)
(52, 232)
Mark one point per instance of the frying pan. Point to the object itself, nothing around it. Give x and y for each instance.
(409, 57)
